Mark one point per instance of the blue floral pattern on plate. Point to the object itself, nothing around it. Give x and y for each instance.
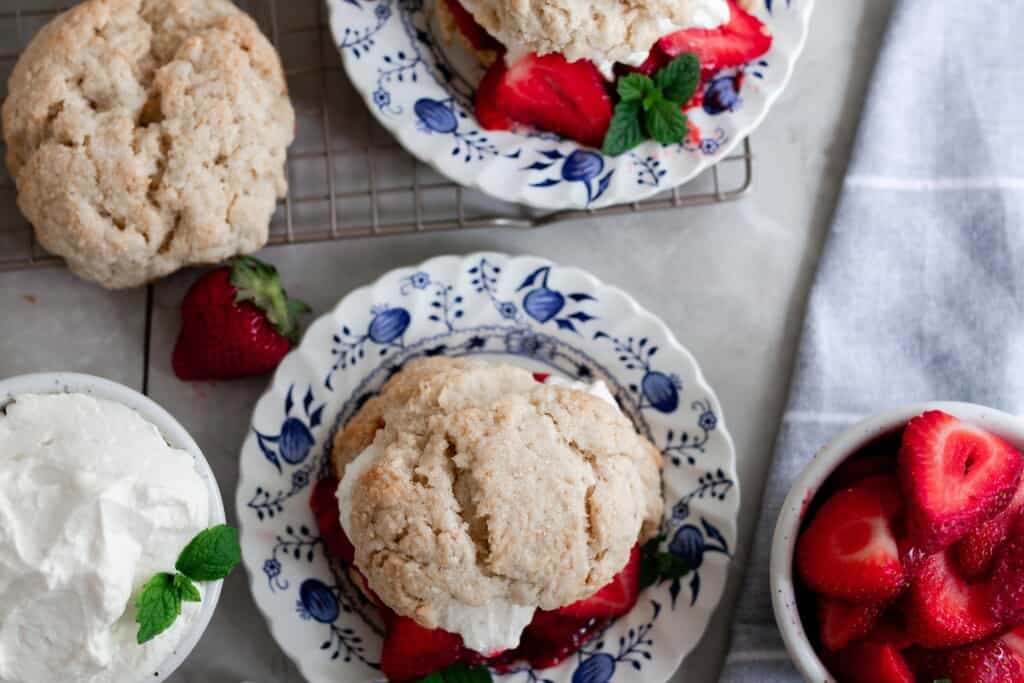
(523, 310)
(422, 89)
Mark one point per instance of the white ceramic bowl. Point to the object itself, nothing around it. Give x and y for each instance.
(800, 497)
(176, 436)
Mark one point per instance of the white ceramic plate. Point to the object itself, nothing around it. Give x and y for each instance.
(522, 310)
(423, 92)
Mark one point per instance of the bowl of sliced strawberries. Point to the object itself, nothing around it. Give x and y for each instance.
(898, 556)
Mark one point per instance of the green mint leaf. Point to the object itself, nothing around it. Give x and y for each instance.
(460, 673)
(157, 606)
(211, 555)
(633, 87)
(649, 571)
(671, 567)
(625, 131)
(187, 590)
(678, 80)
(664, 121)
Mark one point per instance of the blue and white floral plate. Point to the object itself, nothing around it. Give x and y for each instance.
(422, 91)
(522, 310)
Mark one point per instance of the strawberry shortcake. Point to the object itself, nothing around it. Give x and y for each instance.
(608, 74)
(492, 518)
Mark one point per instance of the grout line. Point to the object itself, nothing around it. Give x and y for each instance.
(147, 339)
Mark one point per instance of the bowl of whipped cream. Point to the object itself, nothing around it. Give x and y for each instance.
(100, 491)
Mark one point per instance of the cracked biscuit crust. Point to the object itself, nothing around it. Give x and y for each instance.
(146, 135)
(598, 30)
(491, 485)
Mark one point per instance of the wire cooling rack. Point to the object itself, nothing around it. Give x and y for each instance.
(348, 176)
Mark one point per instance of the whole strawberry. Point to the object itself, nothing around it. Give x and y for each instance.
(236, 321)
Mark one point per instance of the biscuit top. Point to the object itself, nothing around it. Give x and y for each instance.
(144, 135)
(488, 487)
(603, 31)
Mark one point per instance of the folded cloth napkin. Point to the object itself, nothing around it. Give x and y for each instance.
(920, 292)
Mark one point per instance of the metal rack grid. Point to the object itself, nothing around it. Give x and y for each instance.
(348, 177)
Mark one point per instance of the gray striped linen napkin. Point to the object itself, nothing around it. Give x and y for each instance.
(920, 291)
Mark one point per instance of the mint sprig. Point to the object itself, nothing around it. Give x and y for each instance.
(210, 556)
(657, 565)
(459, 673)
(652, 107)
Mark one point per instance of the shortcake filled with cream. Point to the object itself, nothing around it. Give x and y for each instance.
(93, 502)
(560, 65)
(495, 517)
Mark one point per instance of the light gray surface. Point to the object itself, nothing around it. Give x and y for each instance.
(730, 280)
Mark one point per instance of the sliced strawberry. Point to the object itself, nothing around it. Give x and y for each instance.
(615, 599)
(324, 504)
(955, 477)
(943, 610)
(867, 662)
(412, 652)
(476, 34)
(486, 103)
(743, 39)
(849, 551)
(841, 623)
(550, 94)
(892, 630)
(550, 639)
(1014, 642)
(1008, 579)
(977, 550)
(541, 376)
(989, 661)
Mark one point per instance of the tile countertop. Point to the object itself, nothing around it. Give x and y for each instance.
(730, 280)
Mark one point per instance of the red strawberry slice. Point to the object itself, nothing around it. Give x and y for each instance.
(486, 103)
(743, 39)
(849, 551)
(476, 34)
(548, 93)
(955, 477)
(840, 623)
(892, 630)
(412, 652)
(615, 599)
(977, 550)
(867, 662)
(943, 610)
(324, 504)
(989, 661)
(1014, 642)
(1008, 579)
(541, 376)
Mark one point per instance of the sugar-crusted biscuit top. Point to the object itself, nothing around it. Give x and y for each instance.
(490, 485)
(144, 135)
(598, 30)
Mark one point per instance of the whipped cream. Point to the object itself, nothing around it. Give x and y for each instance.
(497, 625)
(93, 502)
(605, 32)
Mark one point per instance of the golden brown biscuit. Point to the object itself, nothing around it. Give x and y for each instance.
(145, 135)
(491, 486)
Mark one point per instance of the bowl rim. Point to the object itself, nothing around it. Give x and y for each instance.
(804, 490)
(175, 435)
